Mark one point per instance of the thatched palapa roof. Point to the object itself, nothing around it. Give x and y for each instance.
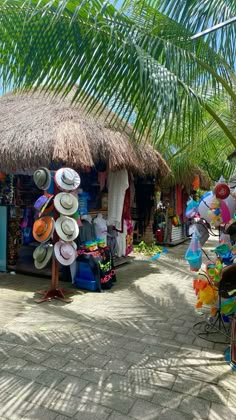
(38, 130)
(186, 177)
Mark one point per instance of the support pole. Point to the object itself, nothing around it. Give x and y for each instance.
(54, 292)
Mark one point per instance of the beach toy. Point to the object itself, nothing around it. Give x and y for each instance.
(225, 210)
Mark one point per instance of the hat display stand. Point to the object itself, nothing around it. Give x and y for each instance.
(55, 292)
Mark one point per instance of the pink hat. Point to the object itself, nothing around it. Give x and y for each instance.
(65, 252)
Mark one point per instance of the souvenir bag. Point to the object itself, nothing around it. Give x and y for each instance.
(194, 253)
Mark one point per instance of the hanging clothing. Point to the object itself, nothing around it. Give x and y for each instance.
(86, 232)
(179, 206)
(100, 226)
(118, 182)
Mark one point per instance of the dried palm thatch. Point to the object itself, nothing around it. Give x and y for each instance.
(186, 178)
(38, 130)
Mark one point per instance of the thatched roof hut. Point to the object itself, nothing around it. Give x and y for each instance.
(186, 177)
(38, 130)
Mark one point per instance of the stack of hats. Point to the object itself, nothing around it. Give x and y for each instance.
(66, 204)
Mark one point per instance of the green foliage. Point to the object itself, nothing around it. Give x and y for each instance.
(138, 61)
(149, 250)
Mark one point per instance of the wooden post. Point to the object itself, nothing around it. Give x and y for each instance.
(54, 292)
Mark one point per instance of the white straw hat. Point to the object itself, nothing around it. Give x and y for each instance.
(66, 203)
(42, 255)
(67, 179)
(42, 178)
(65, 252)
(67, 228)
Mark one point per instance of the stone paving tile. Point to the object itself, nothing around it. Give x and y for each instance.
(117, 416)
(65, 406)
(31, 370)
(215, 394)
(145, 410)
(74, 368)
(142, 391)
(96, 361)
(152, 377)
(50, 377)
(168, 414)
(227, 381)
(187, 385)
(60, 350)
(77, 354)
(117, 382)
(145, 343)
(71, 385)
(54, 362)
(134, 357)
(135, 346)
(118, 366)
(222, 412)
(95, 375)
(13, 408)
(183, 338)
(16, 338)
(42, 395)
(99, 394)
(13, 364)
(167, 398)
(231, 398)
(38, 412)
(196, 407)
(28, 353)
(114, 353)
(156, 351)
(36, 356)
(90, 411)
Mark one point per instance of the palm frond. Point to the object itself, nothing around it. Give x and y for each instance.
(143, 64)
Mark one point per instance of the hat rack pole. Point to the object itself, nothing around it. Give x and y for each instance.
(54, 292)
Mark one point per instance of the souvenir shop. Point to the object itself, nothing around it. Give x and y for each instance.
(100, 208)
(58, 137)
(171, 226)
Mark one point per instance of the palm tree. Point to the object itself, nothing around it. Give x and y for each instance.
(137, 61)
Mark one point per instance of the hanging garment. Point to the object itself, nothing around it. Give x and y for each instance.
(121, 241)
(100, 226)
(179, 206)
(112, 240)
(118, 182)
(86, 232)
(83, 202)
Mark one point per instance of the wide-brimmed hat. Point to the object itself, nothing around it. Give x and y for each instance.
(67, 179)
(42, 202)
(67, 228)
(42, 255)
(43, 229)
(42, 178)
(65, 252)
(66, 203)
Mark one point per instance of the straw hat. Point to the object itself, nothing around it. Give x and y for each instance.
(67, 228)
(66, 203)
(42, 178)
(67, 179)
(42, 255)
(42, 202)
(65, 252)
(43, 228)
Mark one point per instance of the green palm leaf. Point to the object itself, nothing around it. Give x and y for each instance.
(142, 65)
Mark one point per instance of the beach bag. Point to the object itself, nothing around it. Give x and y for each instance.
(194, 253)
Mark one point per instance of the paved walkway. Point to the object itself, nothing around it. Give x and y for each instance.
(128, 353)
